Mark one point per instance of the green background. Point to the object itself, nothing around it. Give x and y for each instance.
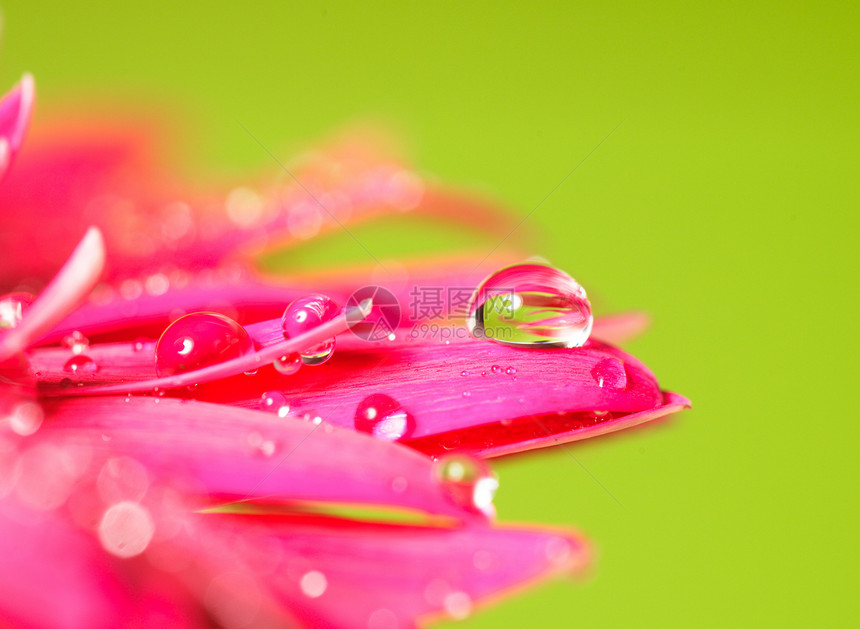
(724, 205)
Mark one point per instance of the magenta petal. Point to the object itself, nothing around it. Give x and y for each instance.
(71, 284)
(344, 574)
(246, 363)
(54, 575)
(15, 111)
(236, 454)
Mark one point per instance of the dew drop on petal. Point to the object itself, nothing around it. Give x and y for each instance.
(511, 371)
(199, 340)
(76, 342)
(496, 369)
(288, 364)
(126, 529)
(313, 584)
(80, 364)
(468, 480)
(530, 305)
(609, 373)
(383, 417)
(464, 373)
(306, 313)
(273, 401)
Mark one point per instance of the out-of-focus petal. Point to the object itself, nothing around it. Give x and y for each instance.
(71, 284)
(347, 574)
(16, 108)
(236, 454)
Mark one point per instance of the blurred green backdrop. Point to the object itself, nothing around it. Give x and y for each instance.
(725, 205)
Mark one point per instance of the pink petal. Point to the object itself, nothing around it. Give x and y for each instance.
(337, 573)
(554, 396)
(55, 575)
(71, 284)
(15, 111)
(237, 454)
(247, 363)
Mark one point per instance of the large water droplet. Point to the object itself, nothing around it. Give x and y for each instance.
(530, 305)
(12, 307)
(198, 340)
(468, 480)
(383, 417)
(306, 313)
(80, 364)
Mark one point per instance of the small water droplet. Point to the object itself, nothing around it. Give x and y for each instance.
(251, 373)
(12, 308)
(530, 305)
(496, 369)
(511, 371)
(81, 364)
(609, 373)
(468, 480)
(76, 342)
(467, 394)
(483, 373)
(198, 340)
(288, 364)
(464, 373)
(306, 313)
(274, 401)
(383, 417)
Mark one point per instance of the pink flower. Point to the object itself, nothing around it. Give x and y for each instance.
(206, 496)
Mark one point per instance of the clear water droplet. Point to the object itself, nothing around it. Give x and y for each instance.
(464, 373)
(496, 369)
(288, 364)
(12, 308)
(511, 371)
(468, 480)
(274, 401)
(530, 305)
(383, 417)
(306, 313)
(80, 364)
(483, 373)
(198, 340)
(76, 342)
(609, 373)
